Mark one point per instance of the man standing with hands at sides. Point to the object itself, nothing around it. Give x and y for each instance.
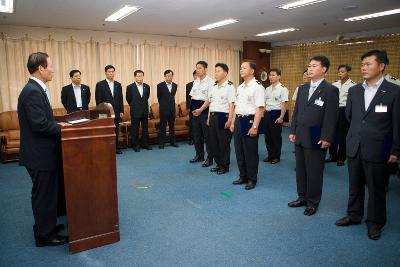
(249, 109)
(343, 84)
(137, 96)
(166, 92)
(373, 140)
(75, 96)
(110, 91)
(313, 130)
(199, 110)
(276, 98)
(189, 87)
(220, 117)
(40, 149)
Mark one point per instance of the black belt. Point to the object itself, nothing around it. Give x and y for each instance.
(217, 113)
(244, 116)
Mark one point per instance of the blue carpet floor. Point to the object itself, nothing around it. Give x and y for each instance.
(173, 213)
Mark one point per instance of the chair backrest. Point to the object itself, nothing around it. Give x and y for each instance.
(9, 120)
(59, 112)
(177, 111)
(184, 110)
(155, 111)
(127, 113)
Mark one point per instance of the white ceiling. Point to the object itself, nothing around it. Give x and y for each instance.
(183, 17)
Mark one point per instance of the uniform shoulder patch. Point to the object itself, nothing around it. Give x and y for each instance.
(215, 83)
(258, 82)
(393, 78)
(230, 83)
(353, 82)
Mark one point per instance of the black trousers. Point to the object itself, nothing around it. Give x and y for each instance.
(191, 127)
(342, 128)
(374, 175)
(220, 143)
(164, 118)
(116, 122)
(44, 199)
(135, 125)
(246, 149)
(310, 163)
(273, 137)
(200, 134)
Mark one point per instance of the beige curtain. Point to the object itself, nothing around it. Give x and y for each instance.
(91, 56)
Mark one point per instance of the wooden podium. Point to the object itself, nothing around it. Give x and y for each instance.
(90, 178)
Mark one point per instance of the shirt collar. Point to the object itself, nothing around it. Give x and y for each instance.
(137, 84)
(317, 83)
(277, 85)
(223, 84)
(108, 81)
(168, 84)
(75, 85)
(40, 82)
(250, 82)
(374, 86)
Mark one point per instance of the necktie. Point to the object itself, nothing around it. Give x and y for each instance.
(311, 91)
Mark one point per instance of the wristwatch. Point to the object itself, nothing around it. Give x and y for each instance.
(254, 127)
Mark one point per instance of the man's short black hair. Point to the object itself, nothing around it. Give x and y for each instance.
(252, 64)
(194, 72)
(276, 70)
(109, 67)
(381, 56)
(222, 66)
(72, 73)
(203, 63)
(168, 72)
(347, 67)
(323, 60)
(137, 72)
(35, 60)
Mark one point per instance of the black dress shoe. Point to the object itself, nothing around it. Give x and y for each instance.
(297, 203)
(330, 159)
(161, 146)
(215, 169)
(374, 233)
(174, 145)
(207, 163)
(147, 147)
(136, 149)
(58, 240)
(250, 185)
(118, 151)
(197, 158)
(346, 221)
(267, 159)
(58, 228)
(310, 210)
(340, 163)
(275, 161)
(240, 181)
(222, 171)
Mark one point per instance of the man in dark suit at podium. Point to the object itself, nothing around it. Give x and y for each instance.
(75, 96)
(313, 131)
(40, 149)
(137, 96)
(188, 99)
(166, 92)
(110, 91)
(373, 141)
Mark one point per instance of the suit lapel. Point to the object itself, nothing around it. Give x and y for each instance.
(41, 90)
(379, 94)
(316, 92)
(109, 89)
(71, 89)
(173, 91)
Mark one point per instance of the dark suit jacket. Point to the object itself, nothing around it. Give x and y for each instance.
(377, 134)
(139, 104)
(166, 99)
(103, 94)
(68, 98)
(189, 87)
(308, 115)
(39, 132)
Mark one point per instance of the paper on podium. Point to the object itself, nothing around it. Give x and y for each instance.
(78, 121)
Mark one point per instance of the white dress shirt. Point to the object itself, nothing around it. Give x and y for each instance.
(169, 85)
(111, 85)
(140, 88)
(249, 97)
(220, 96)
(275, 96)
(43, 85)
(370, 91)
(78, 95)
(201, 88)
(313, 87)
(343, 90)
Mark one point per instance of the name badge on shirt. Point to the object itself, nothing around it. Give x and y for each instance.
(319, 102)
(380, 108)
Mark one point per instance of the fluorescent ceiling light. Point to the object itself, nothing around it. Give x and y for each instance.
(300, 3)
(123, 12)
(359, 42)
(277, 32)
(374, 15)
(217, 24)
(7, 6)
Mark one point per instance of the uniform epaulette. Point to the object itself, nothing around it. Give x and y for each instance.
(230, 83)
(216, 82)
(352, 82)
(393, 78)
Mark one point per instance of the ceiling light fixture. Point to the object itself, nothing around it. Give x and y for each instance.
(359, 42)
(374, 15)
(7, 6)
(300, 3)
(217, 24)
(123, 12)
(277, 32)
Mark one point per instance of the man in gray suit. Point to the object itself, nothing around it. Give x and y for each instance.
(313, 131)
(373, 140)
